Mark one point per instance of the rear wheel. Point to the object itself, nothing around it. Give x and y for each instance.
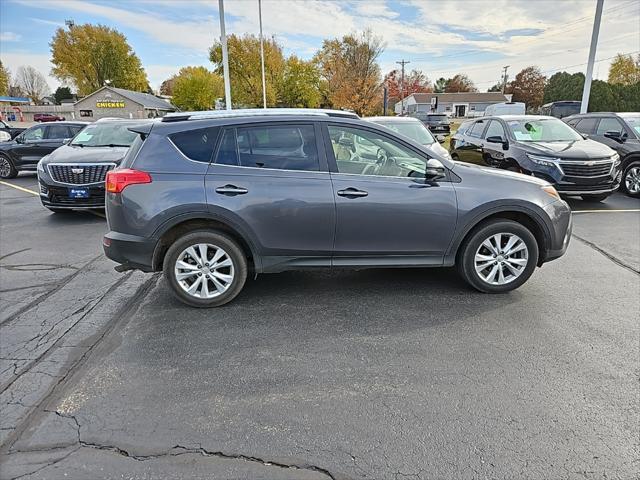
(498, 256)
(205, 269)
(631, 179)
(7, 169)
(595, 198)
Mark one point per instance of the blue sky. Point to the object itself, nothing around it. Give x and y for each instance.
(439, 37)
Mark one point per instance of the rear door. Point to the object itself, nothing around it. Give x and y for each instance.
(272, 179)
(493, 153)
(470, 149)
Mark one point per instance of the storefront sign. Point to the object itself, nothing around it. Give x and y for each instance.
(110, 104)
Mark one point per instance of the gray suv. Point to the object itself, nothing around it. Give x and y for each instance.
(208, 197)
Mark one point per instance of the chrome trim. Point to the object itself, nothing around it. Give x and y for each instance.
(66, 164)
(587, 163)
(262, 169)
(592, 192)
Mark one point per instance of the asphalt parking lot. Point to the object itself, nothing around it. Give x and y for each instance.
(380, 374)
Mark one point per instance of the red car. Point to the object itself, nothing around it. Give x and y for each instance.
(47, 117)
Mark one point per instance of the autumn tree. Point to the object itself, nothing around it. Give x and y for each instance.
(89, 56)
(4, 80)
(196, 88)
(624, 70)
(32, 83)
(528, 87)
(166, 88)
(349, 67)
(495, 88)
(414, 82)
(245, 68)
(301, 83)
(459, 83)
(62, 93)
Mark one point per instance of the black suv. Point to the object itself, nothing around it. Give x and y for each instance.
(620, 131)
(72, 177)
(212, 197)
(541, 146)
(436, 122)
(25, 150)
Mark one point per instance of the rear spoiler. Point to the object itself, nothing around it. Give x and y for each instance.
(143, 129)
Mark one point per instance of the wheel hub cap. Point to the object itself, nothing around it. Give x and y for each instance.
(204, 271)
(501, 258)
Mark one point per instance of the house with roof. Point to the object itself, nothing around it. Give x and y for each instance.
(462, 104)
(118, 102)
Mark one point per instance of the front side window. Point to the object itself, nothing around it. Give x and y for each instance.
(477, 129)
(34, 134)
(609, 125)
(287, 147)
(542, 130)
(196, 144)
(495, 130)
(364, 152)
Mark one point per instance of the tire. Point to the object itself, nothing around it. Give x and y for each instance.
(595, 198)
(232, 257)
(630, 183)
(7, 169)
(523, 261)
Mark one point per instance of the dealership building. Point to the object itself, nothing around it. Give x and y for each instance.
(462, 104)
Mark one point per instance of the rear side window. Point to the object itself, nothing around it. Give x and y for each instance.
(586, 125)
(228, 153)
(290, 147)
(477, 129)
(196, 144)
(58, 132)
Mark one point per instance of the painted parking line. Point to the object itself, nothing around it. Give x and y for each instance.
(607, 211)
(33, 192)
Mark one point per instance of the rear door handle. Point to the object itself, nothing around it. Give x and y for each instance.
(352, 193)
(231, 190)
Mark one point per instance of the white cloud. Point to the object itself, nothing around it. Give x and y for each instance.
(9, 37)
(14, 60)
(372, 8)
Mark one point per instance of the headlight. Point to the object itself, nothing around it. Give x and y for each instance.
(616, 159)
(544, 161)
(40, 167)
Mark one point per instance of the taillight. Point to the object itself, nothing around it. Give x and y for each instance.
(118, 180)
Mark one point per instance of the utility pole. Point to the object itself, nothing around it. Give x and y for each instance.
(264, 82)
(504, 77)
(402, 62)
(592, 56)
(225, 58)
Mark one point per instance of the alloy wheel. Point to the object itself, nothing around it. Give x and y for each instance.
(5, 167)
(501, 258)
(632, 180)
(204, 271)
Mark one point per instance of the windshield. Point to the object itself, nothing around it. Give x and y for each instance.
(634, 123)
(414, 130)
(542, 130)
(105, 135)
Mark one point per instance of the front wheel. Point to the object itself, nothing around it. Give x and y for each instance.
(205, 269)
(498, 257)
(595, 198)
(631, 179)
(7, 169)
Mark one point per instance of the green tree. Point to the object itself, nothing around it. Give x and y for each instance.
(459, 83)
(300, 87)
(196, 88)
(351, 72)
(245, 68)
(496, 88)
(62, 93)
(89, 56)
(440, 85)
(564, 86)
(528, 87)
(4, 80)
(624, 70)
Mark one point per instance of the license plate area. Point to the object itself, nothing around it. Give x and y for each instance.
(78, 193)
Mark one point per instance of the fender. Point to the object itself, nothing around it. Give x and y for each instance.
(477, 215)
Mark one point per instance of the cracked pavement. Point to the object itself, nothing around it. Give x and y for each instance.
(382, 374)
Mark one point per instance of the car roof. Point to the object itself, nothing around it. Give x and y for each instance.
(257, 112)
(391, 119)
(519, 117)
(62, 122)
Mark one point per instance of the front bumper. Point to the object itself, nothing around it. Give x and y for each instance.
(570, 185)
(56, 196)
(559, 213)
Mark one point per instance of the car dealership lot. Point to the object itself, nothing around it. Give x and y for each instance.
(368, 374)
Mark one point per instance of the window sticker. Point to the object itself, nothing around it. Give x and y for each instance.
(84, 136)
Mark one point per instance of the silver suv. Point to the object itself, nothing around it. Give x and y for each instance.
(210, 196)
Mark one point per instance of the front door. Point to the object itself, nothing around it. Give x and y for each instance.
(276, 185)
(31, 146)
(460, 110)
(386, 211)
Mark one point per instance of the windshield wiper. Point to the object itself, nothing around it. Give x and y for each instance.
(111, 145)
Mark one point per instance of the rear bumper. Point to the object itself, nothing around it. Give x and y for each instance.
(129, 250)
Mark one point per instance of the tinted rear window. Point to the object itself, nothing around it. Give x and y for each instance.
(196, 144)
(291, 147)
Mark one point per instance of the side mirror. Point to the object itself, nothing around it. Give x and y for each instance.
(66, 141)
(435, 170)
(584, 135)
(617, 136)
(440, 138)
(19, 139)
(498, 139)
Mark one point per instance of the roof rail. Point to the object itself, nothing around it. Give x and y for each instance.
(256, 112)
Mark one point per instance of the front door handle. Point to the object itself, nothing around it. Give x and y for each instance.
(231, 190)
(352, 193)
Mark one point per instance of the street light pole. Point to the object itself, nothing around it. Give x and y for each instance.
(225, 58)
(264, 82)
(592, 56)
